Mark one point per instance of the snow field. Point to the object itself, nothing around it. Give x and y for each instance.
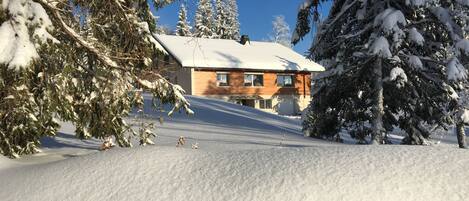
(244, 154)
(309, 173)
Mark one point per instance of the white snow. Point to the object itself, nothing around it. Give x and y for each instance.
(389, 19)
(39, 17)
(360, 94)
(455, 70)
(6, 163)
(462, 47)
(416, 37)
(452, 93)
(465, 116)
(415, 62)
(312, 173)
(17, 47)
(220, 53)
(398, 73)
(243, 154)
(445, 17)
(380, 47)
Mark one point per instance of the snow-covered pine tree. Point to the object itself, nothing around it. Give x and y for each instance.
(221, 20)
(204, 21)
(281, 32)
(455, 16)
(183, 28)
(55, 65)
(385, 64)
(232, 20)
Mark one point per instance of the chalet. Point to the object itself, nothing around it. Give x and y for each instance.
(263, 75)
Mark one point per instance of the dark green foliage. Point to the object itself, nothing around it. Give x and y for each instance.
(345, 97)
(86, 74)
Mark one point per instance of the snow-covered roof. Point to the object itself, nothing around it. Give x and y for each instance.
(221, 54)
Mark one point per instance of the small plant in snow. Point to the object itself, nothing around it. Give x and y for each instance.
(181, 141)
(195, 146)
(145, 129)
(283, 139)
(107, 144)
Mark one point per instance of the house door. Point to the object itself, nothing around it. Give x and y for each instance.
(248, 102)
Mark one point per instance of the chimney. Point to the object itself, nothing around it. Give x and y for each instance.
(244, 39)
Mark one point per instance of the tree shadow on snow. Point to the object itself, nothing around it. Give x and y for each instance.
(66, 140)
(223, 114)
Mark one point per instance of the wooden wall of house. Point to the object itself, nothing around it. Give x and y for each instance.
(205, 82)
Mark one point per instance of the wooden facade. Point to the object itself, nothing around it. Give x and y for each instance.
(205, 83)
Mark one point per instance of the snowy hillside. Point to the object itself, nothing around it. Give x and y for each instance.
(244, 154)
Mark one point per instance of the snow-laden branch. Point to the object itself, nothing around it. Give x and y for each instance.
(331, 24)
(163, 89)
(23, 31)
(76, 37)
(161, 86)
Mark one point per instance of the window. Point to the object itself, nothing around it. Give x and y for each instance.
(285, 80)
(223, 79)
(265, 104)
(256, 80)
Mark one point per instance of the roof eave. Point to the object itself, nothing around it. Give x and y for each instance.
(178, 60)
(250, 69)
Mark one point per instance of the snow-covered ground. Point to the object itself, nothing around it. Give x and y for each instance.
(244, 154)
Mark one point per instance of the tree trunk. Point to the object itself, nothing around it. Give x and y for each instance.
(461, 135)
(378, 104)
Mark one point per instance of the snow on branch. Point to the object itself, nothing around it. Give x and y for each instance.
(416, 37)
(380, 47)
(462, 47)
(17, 45)
(415, 62)
(445, 18)
(389, 19)
(456, 71)
(161, 88)
(76, 37)
(329, 25)
(166, 92)
(396, 73)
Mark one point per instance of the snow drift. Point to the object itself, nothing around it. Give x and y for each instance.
(313, 173)
(244, 154)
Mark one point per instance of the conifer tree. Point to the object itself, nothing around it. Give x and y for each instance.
(55, 65)
(232, 22)
(386, 67)
(204, 21)
(221, 20)
(183, 28)
(455, 16)
(280, 32)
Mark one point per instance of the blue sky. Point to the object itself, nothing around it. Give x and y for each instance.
(255, 16)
